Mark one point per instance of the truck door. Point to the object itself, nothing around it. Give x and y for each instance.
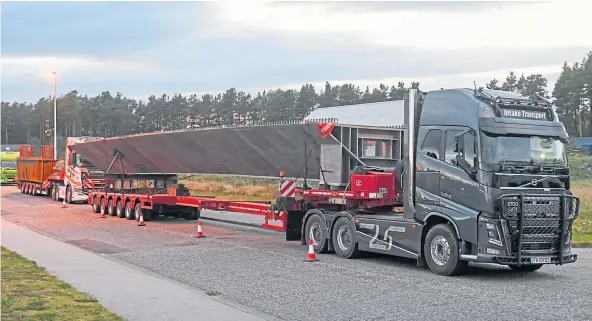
(427, 175)
(458, 190)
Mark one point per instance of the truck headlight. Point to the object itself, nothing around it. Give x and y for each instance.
(493, 233)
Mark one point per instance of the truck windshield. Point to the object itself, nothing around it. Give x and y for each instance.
(83, 161)
(523, 149)
(9, 164)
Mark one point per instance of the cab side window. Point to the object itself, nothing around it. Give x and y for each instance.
(431, 143)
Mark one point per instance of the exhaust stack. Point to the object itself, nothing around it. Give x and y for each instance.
(410, 110)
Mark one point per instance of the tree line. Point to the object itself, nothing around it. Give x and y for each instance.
(108, 114)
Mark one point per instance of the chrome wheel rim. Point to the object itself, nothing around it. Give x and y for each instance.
(440, 250)
(315, 233)
(343, 237)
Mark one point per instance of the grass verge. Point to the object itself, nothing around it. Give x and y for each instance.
(30, 293)
(232, 188)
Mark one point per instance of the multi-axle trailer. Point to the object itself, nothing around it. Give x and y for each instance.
(472, 175)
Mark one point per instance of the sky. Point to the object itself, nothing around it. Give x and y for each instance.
(145, 48)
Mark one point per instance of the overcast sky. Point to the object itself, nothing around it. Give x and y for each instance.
(148, 48)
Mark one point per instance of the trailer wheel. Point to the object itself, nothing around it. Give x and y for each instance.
(103, 205)
(192, 213)
(315, 230)
(129, 214)
(137, 211)
(96, 206)
(148, 214)
(343, 238)
(119, 209)
(111, 208)
(442, 252)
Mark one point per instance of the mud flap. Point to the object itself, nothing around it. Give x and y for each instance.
(294, 225)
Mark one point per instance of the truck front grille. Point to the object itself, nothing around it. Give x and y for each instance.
(537, 224)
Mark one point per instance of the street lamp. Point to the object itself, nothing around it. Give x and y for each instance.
(55, 111)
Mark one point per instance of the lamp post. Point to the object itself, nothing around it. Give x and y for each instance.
(55, 111)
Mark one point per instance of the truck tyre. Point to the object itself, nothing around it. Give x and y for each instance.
(96, 206)
(526, 268)
(57, 192)
(69, 194)
(344, 238)
(111, 208)
(315, 229)
(442, 252)
(129, 214)
(52, 192)
(119, 209)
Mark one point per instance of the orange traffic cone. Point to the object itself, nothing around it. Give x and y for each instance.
(141, 221)
(64, 202)
(199, 233)
(312, 256)
(102, 212)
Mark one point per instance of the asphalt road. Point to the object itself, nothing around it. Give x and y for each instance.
(258, 269)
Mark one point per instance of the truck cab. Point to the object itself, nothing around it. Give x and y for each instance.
(81, 177)
(483, 177)
(494, 165)
(8, 166)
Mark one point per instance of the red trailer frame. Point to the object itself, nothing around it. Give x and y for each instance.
(100, 202)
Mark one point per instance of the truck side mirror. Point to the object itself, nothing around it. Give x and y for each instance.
(459, 142)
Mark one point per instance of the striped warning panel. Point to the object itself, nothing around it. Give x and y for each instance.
(46, 185)
(88, 184)
(287, 188)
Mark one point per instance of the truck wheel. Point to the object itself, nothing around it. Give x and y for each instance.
(526, 268)
(344, 238)
(315, 230)
(57, 192)
(129, 214)
(110, 208)
(96, 206)
(442, 252)
(119, 209)
(68, 195)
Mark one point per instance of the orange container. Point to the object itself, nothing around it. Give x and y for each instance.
(34, 169)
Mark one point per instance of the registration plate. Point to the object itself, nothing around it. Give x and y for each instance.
(539, 260)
